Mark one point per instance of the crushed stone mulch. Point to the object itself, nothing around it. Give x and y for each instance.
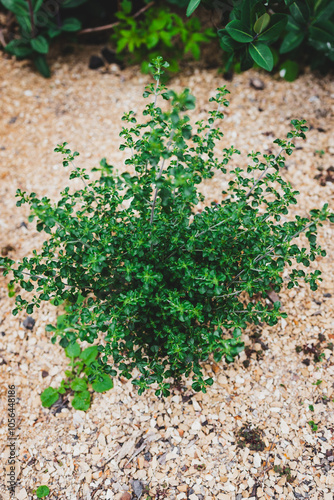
(249, 436)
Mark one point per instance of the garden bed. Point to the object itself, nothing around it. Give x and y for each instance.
(189, 445)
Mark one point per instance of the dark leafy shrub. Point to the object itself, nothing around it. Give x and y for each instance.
(267, 33)
(39, 23)
(163, 285)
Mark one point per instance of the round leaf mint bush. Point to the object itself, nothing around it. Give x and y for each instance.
(156, 284)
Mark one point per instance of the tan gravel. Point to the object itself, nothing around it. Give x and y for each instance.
(186, 445)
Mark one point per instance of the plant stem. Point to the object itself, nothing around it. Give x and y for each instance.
(158, 177)
(2, 39)
(31, 13)
(113, 25)
(263, 174)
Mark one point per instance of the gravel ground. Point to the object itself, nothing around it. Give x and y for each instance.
(187, 445)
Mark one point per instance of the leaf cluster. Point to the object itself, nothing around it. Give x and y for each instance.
(38, 26)
(158, 32)
(84, 370)
(157, 284)
(269, 33)
(42, 491)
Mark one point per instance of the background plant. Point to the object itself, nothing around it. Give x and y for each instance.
(156, 30)
(164, 286)
(280, 34)
(284, 33)
(39, 22)
(160, 31)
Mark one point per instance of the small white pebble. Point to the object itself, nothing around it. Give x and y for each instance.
(196, 426)
(257, 460)
(284, 427)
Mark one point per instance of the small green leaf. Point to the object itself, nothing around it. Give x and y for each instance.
(49, 396)
(18, 48)
(18, 7)
(261, 24)
(192, 6)
(289, 70)
(79, 384)
(104, 385)
(53, 32)
(313, 426)
(89, 354)
(239, 32)
(275, 28)
(42, 491)
(71, 24)
(37, 4)
(42, 66)
(226, 41)
(262, 55)
(322, 32)
(11, 290)
(300, 11)
(81, 401)
(73, 350)
(40, 44)
(291, 41)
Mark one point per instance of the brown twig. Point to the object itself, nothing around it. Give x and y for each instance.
(112, 25)
(2, 39)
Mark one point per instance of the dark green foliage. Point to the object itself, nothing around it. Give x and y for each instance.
(281, 34)
(156, 285)
(264, 33)
(251, 437)
(313, 349)
(285, 471)
(39, 23)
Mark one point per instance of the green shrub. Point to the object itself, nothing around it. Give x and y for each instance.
(155, 284)
(270, 33)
